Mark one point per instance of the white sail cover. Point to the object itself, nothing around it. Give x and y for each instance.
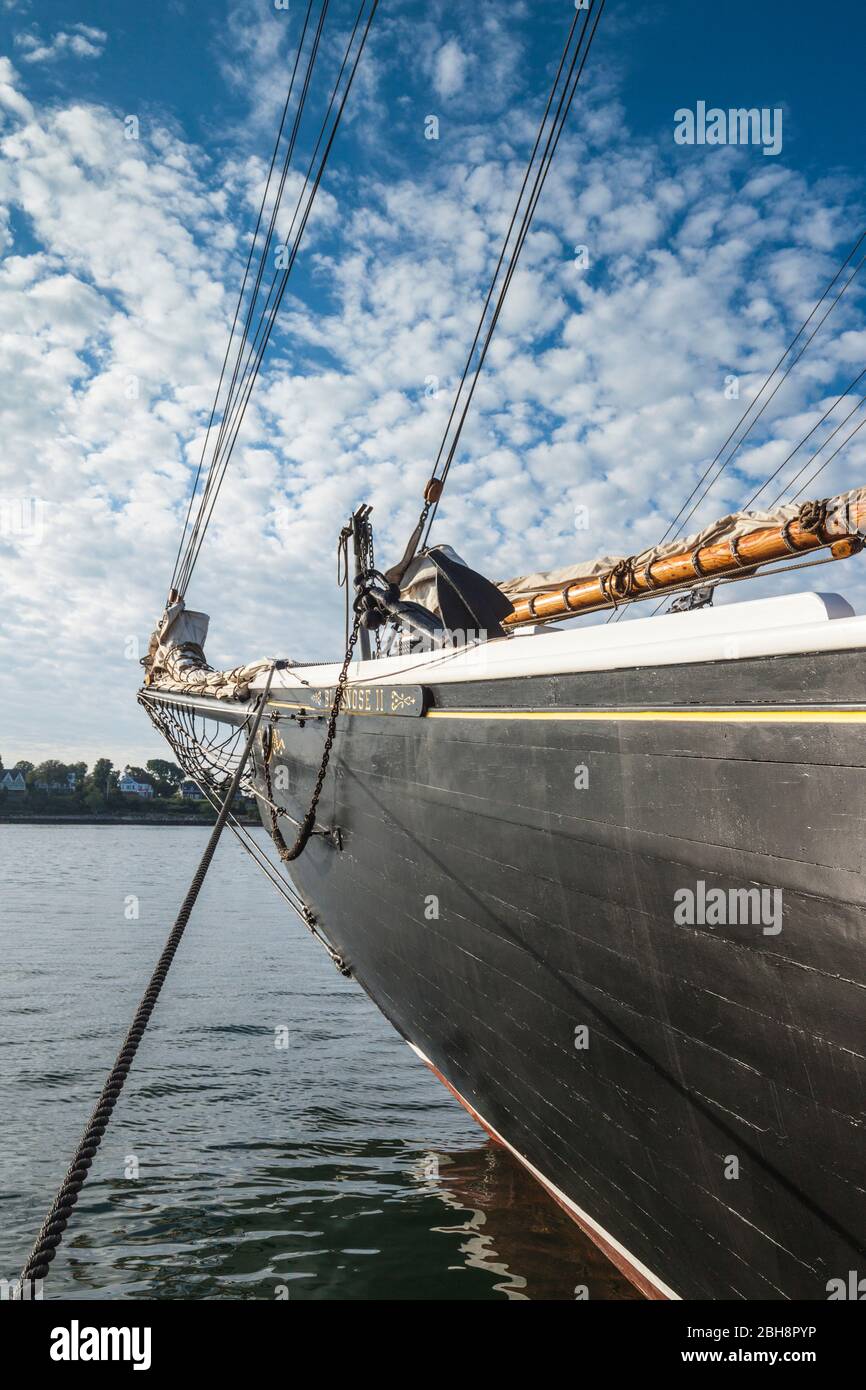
(176, 661)
(733, 526)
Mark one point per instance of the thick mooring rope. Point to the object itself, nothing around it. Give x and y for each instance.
(52, 1229)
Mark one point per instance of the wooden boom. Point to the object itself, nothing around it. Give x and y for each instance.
(836, 523)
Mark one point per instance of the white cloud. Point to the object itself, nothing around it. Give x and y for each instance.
(605, 386)
(109, 342)
(11, 98)
(79, 41)
(449, 69)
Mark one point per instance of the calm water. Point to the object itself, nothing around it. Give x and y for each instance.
(335, 1168)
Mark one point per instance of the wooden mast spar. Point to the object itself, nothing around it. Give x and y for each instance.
(838, 522)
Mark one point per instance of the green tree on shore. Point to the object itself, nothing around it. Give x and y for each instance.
(165, 771)
(100, 784)
(51, 773)
(96, 792)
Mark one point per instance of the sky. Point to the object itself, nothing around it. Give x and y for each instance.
(659, 285)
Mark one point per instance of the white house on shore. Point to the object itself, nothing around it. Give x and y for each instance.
(12, 781)
(59, 788)
(190, 791)
(130, 787)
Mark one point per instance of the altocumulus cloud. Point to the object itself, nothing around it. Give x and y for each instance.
(648, 279)
(79, 41)
(450, 69)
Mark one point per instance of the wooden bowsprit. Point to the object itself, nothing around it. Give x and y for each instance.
(833, 523)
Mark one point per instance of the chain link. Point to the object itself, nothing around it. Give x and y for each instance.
(289, 852)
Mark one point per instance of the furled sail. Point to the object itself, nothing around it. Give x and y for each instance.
(789, 529)
(176, 662)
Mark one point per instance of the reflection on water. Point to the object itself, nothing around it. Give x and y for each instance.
(334, 1168)
(513, 1231)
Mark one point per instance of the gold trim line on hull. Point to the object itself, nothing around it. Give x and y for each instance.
(750, 715)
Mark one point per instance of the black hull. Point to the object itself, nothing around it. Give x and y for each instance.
(490, 906)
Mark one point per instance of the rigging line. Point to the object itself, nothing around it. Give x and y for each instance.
(268, 317)
(285, 889)
(812, 456)
(238, 404)
(505, 243)
(765, 386)
(827, 462)
(250, 376)
(241, 294)
(616, 616)
(212, 472)
(217, 466)
(257, 854)
(262, 258)
(523, 228)
(285, 274)
(275, 211)
(51, 1231)
(808, 436)
(565, 101)
(541, 178)
(416, 538)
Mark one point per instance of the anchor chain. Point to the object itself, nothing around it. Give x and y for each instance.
(290, 852)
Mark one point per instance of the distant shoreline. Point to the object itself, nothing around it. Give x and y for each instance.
(139, 819)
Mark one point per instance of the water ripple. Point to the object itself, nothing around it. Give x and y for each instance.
(232, 1168)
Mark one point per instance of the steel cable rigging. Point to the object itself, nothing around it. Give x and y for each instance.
(277, 205)
(214, 472)
(827, 413)
(257, 343)
(252, 344)
(678, 530)
(846, 441)
(568, 75)
(242, 293)
(777, 500)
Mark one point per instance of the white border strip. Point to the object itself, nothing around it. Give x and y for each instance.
(787, 625)
(632, 1260)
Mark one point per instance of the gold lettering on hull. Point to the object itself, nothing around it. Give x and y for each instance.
(405, 700)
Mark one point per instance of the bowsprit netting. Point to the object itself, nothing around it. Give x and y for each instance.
(207, 749)
(210, 755)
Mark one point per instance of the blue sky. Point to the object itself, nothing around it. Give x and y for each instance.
(606, 386)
